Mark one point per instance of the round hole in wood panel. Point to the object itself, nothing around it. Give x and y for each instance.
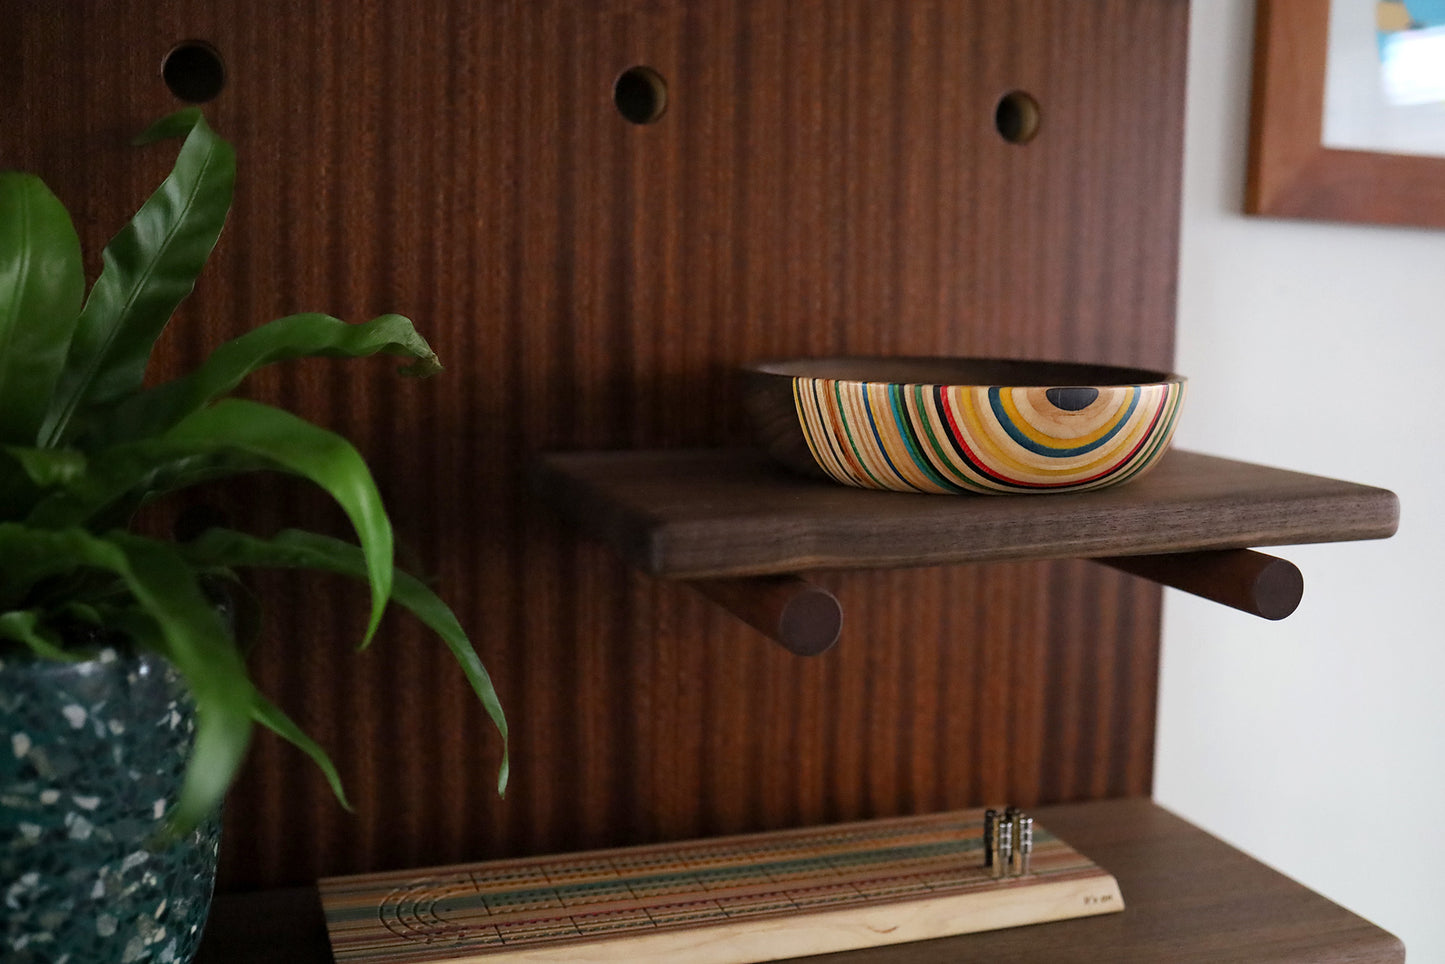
(1017, 117)
(640, 94)
(194, 71)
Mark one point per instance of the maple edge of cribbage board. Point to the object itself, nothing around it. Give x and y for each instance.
(721, 900)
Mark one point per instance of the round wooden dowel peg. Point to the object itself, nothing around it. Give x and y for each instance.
(801, 617)
(1250, 581)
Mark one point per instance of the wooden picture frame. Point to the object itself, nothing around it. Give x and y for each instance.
(1291, 172)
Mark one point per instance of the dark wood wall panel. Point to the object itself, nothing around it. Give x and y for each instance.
(827, 178)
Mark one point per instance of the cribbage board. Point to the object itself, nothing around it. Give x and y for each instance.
(726, 900)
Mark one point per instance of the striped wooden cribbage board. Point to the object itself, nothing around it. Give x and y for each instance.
(725, 900)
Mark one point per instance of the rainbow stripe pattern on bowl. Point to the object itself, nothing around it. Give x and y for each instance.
(1044, 432)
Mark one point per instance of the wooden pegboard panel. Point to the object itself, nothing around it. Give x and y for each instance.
(826, 178)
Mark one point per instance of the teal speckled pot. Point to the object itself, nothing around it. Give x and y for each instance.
(91, 760)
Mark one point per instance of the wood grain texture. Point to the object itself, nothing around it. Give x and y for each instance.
(1252, 582)
(1191, 898)
(1291, 172)
(725, 900)
(693, 514)
(826, 180)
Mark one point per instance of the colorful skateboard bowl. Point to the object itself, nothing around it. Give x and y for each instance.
(955, 425)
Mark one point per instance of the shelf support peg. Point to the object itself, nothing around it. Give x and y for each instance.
(803, 618)
(1250, 581)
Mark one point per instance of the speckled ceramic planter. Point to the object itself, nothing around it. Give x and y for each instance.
(91, 761)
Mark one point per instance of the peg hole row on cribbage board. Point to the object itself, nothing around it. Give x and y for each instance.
(490, 907)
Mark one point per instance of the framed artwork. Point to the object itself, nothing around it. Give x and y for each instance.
(1348, 114)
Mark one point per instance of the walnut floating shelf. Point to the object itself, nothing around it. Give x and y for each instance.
(708, 514)
(699, 514)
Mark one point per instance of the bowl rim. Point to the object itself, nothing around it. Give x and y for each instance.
(1049, 373)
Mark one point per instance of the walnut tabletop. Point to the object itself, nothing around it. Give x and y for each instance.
(1188, 897)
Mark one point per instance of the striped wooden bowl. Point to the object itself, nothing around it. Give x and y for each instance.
(963, 424)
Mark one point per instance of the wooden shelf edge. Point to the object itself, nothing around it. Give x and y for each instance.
(703, 514)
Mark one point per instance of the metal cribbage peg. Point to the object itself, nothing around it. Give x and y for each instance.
(1004, 833)
(990, 827)
(1025, 843)
(1011, 817)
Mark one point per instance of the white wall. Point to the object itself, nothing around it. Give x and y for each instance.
(1317, 743)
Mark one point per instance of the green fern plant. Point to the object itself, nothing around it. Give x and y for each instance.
(85, 444)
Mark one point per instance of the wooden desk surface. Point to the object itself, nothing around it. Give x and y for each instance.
(1189, 897)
